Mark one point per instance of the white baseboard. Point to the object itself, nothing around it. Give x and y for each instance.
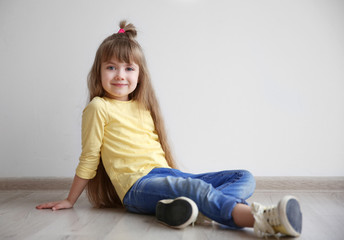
(300, 184)
(263, 183)
(35, 183)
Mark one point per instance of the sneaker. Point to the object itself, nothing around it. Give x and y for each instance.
(177, 213)
(203, 220)
(285, 218)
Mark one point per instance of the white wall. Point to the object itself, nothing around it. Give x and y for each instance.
(252, 84)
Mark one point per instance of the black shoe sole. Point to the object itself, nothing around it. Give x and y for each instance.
(177, 213)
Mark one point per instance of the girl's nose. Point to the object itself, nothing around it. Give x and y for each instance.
(119, 75)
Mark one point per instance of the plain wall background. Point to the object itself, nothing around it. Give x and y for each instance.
(254, 85)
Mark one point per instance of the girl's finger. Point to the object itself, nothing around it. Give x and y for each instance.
(46, 205)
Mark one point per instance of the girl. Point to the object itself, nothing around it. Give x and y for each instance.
(126, 160)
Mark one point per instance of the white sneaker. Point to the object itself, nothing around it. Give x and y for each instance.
(285, 218)
(203, 220)
(176, 213)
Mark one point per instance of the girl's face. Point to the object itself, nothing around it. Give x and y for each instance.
(119, 79)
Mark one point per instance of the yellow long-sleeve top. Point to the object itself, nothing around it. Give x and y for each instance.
(124, 137)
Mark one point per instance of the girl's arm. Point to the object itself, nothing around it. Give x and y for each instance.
(75, 191)
(93, 122)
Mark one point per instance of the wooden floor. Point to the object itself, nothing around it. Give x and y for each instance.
(323, 214)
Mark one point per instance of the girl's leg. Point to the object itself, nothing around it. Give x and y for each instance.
(170, 183)
(237, 183)
(242, 215)
(160, 184)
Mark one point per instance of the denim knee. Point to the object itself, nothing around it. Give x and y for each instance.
(250, 184)
(241, 187)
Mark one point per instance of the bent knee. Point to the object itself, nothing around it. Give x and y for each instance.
(250, 183)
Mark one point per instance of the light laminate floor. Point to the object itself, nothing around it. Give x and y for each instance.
(323, 219)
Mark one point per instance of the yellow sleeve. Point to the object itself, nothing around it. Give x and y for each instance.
(93, 122)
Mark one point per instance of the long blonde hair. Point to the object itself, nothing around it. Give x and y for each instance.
(124, 48)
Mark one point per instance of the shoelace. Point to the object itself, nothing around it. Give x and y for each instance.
(265, 218)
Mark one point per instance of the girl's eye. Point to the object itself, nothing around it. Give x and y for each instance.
(130, 69)
(111, 68)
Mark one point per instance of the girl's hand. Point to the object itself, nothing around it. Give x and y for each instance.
(64, 204)
(77, 187)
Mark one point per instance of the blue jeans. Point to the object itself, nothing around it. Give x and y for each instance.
(215, 194)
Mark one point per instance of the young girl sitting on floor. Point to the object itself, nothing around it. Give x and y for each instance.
(126, 160)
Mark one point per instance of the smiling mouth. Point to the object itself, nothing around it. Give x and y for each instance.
(119, 84)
